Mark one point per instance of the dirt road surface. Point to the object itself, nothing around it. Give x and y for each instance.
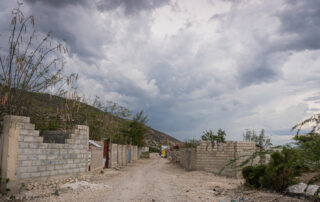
(155, 180)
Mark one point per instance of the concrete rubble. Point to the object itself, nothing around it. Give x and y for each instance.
(297, 188)
(84, 185)
(312, 189)
(303, 189)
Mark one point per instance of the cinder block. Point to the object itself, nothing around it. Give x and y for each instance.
(70, 161)
(22, 157)
(54, 162)
(58, 167)
(30, 132)
(20, 138)
(26, 163)
(29, 138)
(62, 161)
(27, 126)
(73, 166)
(53, 172)
(65, 146)
(23, 145)
(35, 174)
(70, 141)
(65, 166)
(51, 157)
(34, 145)
(44, 173)
(43, 157)
(76, 170)
(25, 175)
(32, 169)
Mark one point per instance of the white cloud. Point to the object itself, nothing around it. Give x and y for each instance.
(193, 65)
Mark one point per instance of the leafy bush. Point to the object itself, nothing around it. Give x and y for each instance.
(210, 136)
(278, 174)
(254, 175)
(154, 150)
(309, 148)
(145, 155)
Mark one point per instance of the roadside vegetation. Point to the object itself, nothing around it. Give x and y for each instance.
(286, 165)
(209, 135)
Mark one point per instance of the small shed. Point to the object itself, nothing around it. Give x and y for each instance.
(95, 157)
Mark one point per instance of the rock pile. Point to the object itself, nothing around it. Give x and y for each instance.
(303, 189)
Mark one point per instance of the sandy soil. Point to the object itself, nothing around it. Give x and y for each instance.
(157, 180)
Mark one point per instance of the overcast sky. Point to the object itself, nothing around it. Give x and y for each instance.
(192, 65)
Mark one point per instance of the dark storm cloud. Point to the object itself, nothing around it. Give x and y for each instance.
(131, 6)
(259, 72)
(58, 3)
(301, 18)
(73, 24)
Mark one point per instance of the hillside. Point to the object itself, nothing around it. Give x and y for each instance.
(156, 138)
(56, 113)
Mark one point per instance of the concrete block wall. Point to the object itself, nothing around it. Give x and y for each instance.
(134, 152)
(223, 159)
(180, 156)
(96, 156)
(113, 155)
(118, 154)
(124, 155)
(217, 159)
(243, 151)
(38, 159)
(25, 156)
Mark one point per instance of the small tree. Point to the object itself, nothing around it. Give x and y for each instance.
(136, 130)
(309, 148)
(210, 136)
(261, 140)
(313, 122)
(309, 143)
(221, 135)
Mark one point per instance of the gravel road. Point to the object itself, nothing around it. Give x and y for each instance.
(155, 180)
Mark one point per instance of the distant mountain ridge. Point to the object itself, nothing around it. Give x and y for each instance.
(156, 138)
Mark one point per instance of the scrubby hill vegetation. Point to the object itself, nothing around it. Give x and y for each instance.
(57, 113)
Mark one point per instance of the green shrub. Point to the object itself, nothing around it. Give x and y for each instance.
(154, 150)
(145, 155)
(278, 174)
(254, 175)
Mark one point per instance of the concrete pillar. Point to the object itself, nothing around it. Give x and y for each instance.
(10, 144)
